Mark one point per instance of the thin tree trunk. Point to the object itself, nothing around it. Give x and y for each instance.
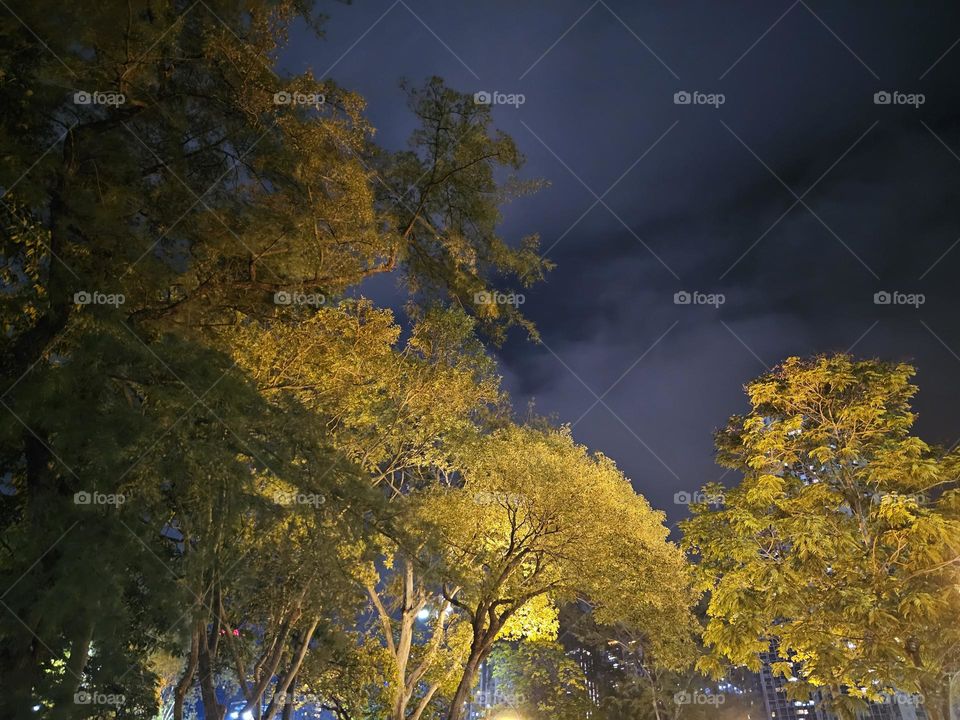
(460, 697)
(186, 680)
(654, 690)
(405, 642)
(412, 601)
(284, 683)
(212, 709)
(424, 701)
(79, 653)
(290, 705)
(269, 668)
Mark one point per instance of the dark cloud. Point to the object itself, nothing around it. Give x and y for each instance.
(801, 99)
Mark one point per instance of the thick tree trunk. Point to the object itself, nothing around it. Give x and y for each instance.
(26, 349)
(20, 662)
(22, 653)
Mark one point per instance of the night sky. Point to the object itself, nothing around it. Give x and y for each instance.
(797, 199)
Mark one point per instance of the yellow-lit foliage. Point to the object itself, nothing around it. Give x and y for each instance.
(842, 539)
(537, 516)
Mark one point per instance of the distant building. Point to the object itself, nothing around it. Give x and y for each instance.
(898, 706)
(773, 689)
(588, 663)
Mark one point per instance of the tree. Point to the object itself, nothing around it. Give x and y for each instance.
(162, 159)
(448, 212)
(842, 539)
(532, 518)
(537, 680)
(392, 408)
(397, 411)
(423, 638)
(629, 679)
(158, 165)
(138, 516)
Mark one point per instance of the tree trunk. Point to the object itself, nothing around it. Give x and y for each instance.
(283, 684)
(212, 709)
(26, 349)
(79, 653)
(405, 642)
(186, 680)
(424, 701)
(290, 705)
(208, 693)
(457, 705)
(268, 669)
(20, 661)
(654, 689)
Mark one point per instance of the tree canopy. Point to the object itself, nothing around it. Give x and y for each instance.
(230, 482)
(842, 540)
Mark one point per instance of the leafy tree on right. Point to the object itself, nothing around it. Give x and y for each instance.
(841, 541)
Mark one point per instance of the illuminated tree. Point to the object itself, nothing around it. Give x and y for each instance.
(538, 516)
(842, 539)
